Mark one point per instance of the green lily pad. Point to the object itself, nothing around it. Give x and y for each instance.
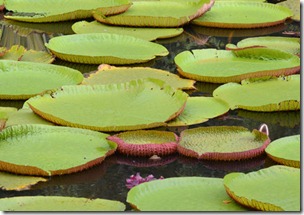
(22, 80)
(107, 74)
(222, 143)
(59, 203)
(294, 6)
(199, 110)
(276, 188)
(286, 150)
(243, 14)
(145, 143)
(18, 182)
(51, 150)
(222, 66)
(98, 48)
(287, 44)
(182, 194)
(84, 27)
(50, 11)
(250, 94)
(5, 113)
(129, 106)
(161, 13)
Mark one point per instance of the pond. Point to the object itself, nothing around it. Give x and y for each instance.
(107, 180)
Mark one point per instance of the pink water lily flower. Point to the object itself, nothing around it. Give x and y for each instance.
(137, 179)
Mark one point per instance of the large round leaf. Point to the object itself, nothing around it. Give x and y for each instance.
(53, 11)
(51, 150)
(199, 110)
(288, 44)
(114, 107)
(222, 66)
(182, 194)
(286, 150)
(222, 143)
(160, 13)
(250, 94)
(84, 27)
(97, 48)
(107, 74)
(243, 14)
(22, 80)
(59, 203)
(276, 188)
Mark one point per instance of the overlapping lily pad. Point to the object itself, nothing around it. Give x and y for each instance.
(199, 110)
(107, 74)
(182, 194)
(243, 14)
(222, 143)
(287, 44)
(222, 66)
(84, 27)
(250, 94)
(51, 150)
(22, 80)
(286, 150)
(276, 188)
(5, 112)
(54, 11)
(161, 13)
(115, 107)
(145, 143)
(18, 182)
(98, 48)
(59, 203)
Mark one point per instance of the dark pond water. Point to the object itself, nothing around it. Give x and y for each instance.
(107, 180)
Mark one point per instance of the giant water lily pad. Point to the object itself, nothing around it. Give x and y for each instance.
(283, 93)
(276, 188)
(97, 48)
(107, 74)
(161, 13)
(53, 11)
(294, 6)
(145, 143)
(84, 27)
(59, 203)
(51, 150)
(243, 14)
(182, 194)
(18, 182)
(286, 150)
(5, 113)
(222, 143)
(287, 44)
(199, 110)
(22, 80)
(222, 66)
(114, 107)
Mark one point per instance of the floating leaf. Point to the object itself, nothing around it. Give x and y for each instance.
(276, 188)
(54, 11)
(286, 150)
(149, 34)
(130, 106)
(18, 182)
(199, 110)
(161, 13)
(182, 194)
(107, 74)
(5, 113)
(145, 143)
(222, 143)
(59, 203)
(97, 48)
(222, 66)
(287, 44)
(294, 6)
(250, 94)
(243, 14)
(22, 80)
(51, 150)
